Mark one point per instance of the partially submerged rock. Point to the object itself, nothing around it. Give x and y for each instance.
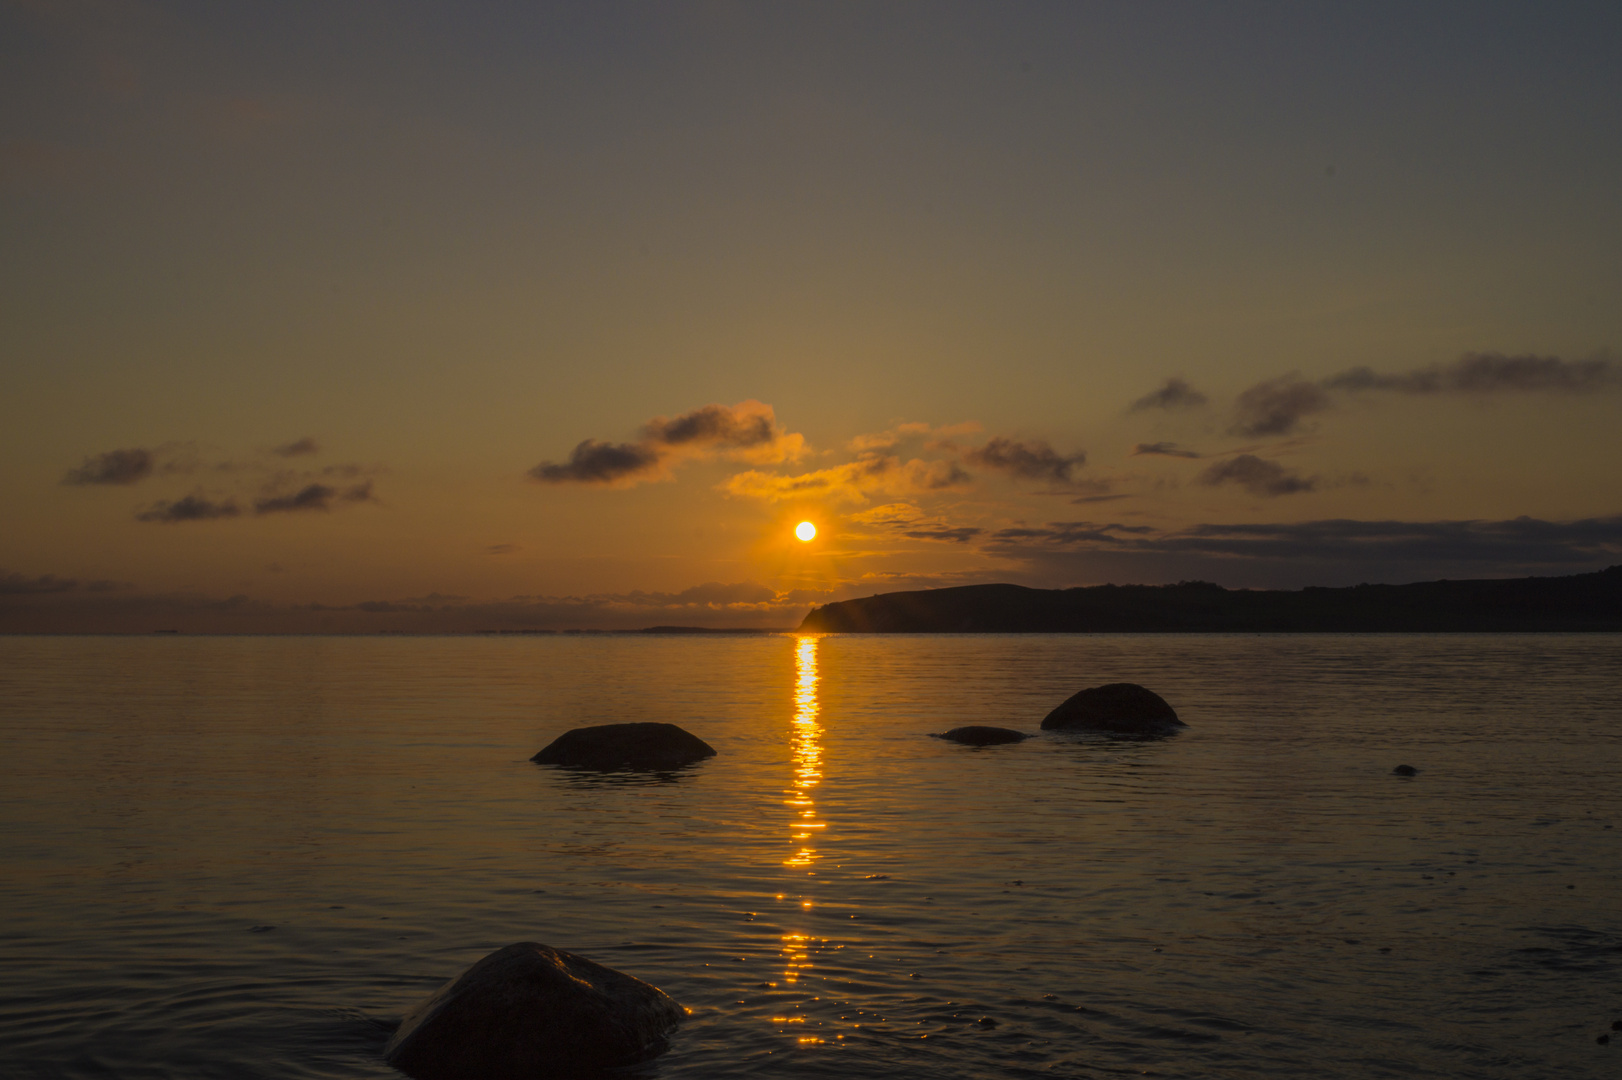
(978, 735)
(625, 746)
(1405, 770)
(529, 1012)
(1119, 708)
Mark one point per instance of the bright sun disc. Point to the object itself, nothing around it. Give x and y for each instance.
(805, 530)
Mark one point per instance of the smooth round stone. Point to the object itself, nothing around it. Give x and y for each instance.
(608, 747)
(530, 1012)
(1120, 708)
(977, 735)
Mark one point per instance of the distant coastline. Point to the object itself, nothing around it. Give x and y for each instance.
(1580, 602)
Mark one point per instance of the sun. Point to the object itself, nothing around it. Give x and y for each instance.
(805, 531)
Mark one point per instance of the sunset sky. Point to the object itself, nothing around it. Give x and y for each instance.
(407, 316)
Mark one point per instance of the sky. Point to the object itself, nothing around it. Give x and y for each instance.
(363, 316)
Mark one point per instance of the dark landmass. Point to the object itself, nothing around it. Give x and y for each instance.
(1577, 603)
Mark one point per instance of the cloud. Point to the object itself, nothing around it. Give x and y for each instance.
(1175, 394)
(1326, 552)
(610, 464)
(318, 497)
(1489, 373)
(923, 475)
(501, 549)
(1259, 477)
(297, 448)
(712, 594)
(747, 431)
(114, 467)
(957, 535)
(1162, 449)
(850, 481)
(1277, 406)
(1033, 460)
(884, 440)
(14, 584)
(898, 513)
(190, 508)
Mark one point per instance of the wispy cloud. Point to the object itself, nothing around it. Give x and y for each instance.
(14, 584)
(1257, 476)
(1174, 394)
(1163, 449)
(313, 497)
(1031, 460)
(960, 534)
(1489, 373)
(1517, 542)
(113, 467)
(1279, 406)
(747, 431)
(297, 448)
(190, 508)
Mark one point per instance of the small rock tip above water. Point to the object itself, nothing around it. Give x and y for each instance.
(640, 746)
(1118, 708)
(979, 735)
(1405, 770)
(531, 1012)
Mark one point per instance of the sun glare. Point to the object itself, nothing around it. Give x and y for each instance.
(805, 530)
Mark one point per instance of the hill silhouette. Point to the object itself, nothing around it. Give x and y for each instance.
(1576, 603)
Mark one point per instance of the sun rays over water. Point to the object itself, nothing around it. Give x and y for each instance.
(805, 744)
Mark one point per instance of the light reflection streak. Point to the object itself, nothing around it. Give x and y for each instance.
(805, 745)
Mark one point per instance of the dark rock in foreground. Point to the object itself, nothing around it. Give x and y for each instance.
(1121, 708)
(625, 746)
(1405, 770)
(977, 735)
(528, 1012)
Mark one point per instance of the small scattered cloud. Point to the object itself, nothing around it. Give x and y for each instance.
(897, 513)
(113, 467)
(1257, 476)
(923, 475)
(885, 440)
(1175, 394)
(961, 534)
(1030, 460)
(1489, 373)
(1381, 549)
(849, 482)
(297, 448)
(747, 431)
(501, 549)
(14, 584)
(1163, 449)
(314, 497)
(190, 508)
(1277, 406)
(609, 464)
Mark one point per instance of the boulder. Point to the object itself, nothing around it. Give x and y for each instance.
(976, 735)
(1119, 708)
(1405, 770)
(625, 746)
(528, 1012)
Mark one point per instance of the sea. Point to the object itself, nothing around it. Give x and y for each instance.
(247, 857)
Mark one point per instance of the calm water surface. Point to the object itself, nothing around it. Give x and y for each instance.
(246, 857)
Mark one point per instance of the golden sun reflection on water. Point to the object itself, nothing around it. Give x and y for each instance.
(805, 745)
